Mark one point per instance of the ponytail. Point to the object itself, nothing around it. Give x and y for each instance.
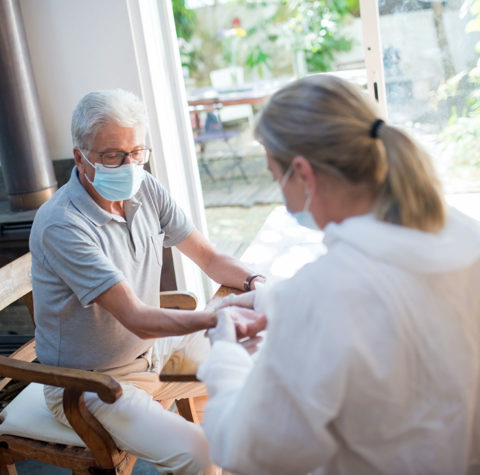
(410, 194)
(337, 129)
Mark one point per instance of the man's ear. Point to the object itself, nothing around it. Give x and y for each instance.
(77, 156)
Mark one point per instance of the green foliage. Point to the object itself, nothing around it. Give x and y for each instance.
(281, 30)
(185, 23)
(258, 59)
(461, 136)
(317, 25)
(354, 7)
(312, 26)
(185, 19)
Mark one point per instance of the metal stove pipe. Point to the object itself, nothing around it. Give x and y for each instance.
(26, 165)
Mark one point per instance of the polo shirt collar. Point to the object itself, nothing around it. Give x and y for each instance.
(86, 204)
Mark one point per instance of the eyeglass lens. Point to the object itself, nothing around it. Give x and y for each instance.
(115, 159)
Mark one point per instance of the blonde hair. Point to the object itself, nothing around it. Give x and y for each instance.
(329, 122)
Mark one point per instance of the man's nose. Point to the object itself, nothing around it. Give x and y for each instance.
(128, 158)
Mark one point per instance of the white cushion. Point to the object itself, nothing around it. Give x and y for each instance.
(28, 416)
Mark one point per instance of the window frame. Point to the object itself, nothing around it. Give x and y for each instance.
(174, 161)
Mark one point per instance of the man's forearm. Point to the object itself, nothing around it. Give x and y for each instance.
(221, 268)
(152, 322)
(228, 271)
(147, 321)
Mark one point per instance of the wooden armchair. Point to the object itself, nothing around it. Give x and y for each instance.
(29, 431)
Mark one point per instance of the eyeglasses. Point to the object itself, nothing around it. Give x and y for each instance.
(117, 158)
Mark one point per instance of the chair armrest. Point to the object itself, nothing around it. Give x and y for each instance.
(223, 291)
(191, 377)
(178, 378)
(19, 365)
(179, 299)
(107, 388)
(25, 353)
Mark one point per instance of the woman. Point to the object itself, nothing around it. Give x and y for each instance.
(371, 362)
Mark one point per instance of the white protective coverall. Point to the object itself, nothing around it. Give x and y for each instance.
(370, 364)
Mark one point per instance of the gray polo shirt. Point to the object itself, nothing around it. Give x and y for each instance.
(78, 252)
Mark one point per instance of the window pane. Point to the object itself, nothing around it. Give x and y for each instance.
(430, 59)
(235, 54)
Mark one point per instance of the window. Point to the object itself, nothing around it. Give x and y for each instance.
(430, 71)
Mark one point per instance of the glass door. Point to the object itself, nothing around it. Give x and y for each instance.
(430, 55)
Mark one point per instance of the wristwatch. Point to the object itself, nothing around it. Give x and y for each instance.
(247, 285)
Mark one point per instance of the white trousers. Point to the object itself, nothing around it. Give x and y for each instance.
(137, 422)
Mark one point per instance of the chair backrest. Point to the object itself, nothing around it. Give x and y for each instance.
(168, 279)
(15, 280)
(16, 283)
(227, 77)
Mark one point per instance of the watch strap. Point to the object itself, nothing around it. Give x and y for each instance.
(247, 285)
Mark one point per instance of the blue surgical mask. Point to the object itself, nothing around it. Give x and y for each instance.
(304, 217)
(116, 184)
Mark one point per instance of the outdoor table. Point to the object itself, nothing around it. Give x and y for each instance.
(257, 92)
(279, 250)
(247, 93)
(207, 99)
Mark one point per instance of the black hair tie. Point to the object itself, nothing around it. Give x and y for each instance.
(374, 130)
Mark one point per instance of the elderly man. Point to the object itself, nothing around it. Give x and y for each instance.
(96, 261)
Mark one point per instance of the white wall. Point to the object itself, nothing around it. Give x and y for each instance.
(76, 46)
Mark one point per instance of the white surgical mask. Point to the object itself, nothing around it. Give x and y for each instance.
(116, 184)
(304, 217)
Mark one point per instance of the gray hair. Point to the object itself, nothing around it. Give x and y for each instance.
(101, 107)
(329, 122)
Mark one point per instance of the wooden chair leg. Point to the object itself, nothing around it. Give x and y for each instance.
(186, 408)
(8, 469)
(7, 464)
(126, 467)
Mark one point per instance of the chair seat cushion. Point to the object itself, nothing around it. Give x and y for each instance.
(28, 416)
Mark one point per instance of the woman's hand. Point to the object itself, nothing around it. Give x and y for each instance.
(245, 299)
(247, 322)
(236, 323)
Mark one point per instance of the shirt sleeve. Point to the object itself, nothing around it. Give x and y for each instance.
(173, 220)
(272, 416)
(77, 259)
